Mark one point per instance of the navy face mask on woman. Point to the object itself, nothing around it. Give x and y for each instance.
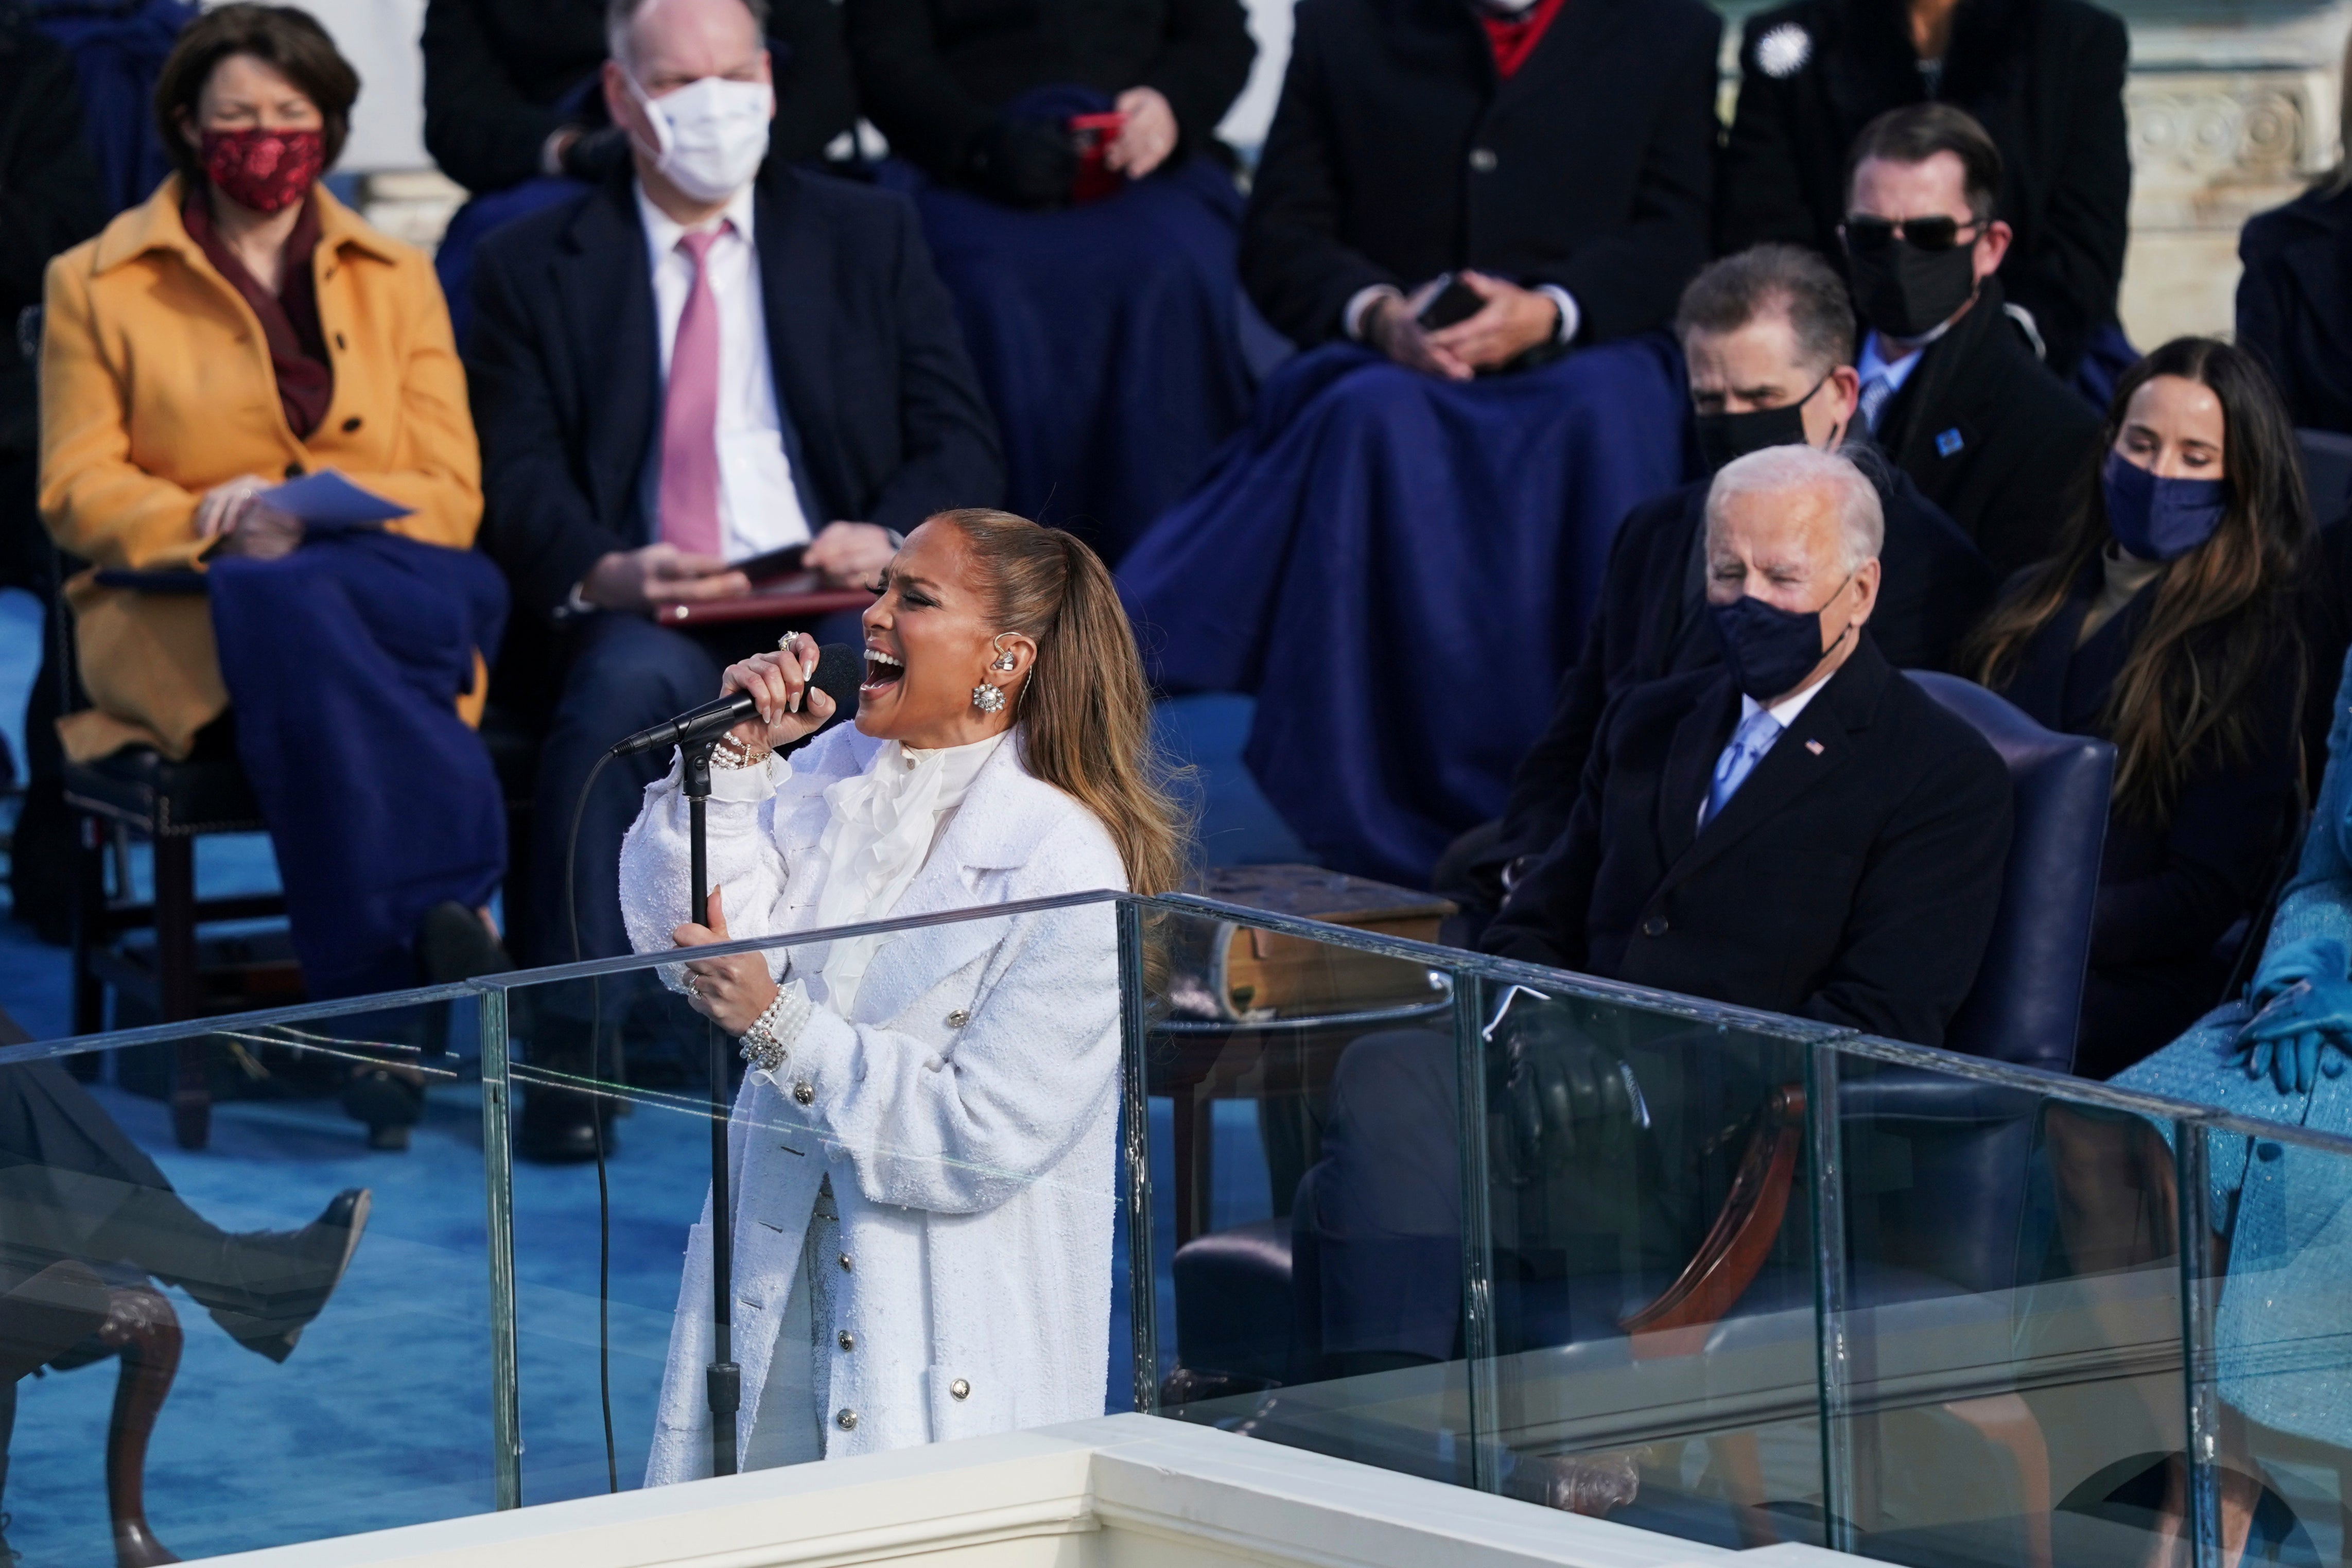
(1724, 438)
(2159, 518)
(1769, 649)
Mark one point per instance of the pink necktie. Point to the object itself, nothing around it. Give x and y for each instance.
(690, 470)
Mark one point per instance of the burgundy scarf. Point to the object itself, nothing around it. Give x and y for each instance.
(289, 317)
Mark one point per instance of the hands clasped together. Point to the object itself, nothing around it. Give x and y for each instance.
(2304, 1008)
(1513, 321)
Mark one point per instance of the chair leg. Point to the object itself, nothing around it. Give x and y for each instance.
(143, 1324)
(179, 986)
(88, 926)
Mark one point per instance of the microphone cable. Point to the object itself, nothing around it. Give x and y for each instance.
(596, 1122)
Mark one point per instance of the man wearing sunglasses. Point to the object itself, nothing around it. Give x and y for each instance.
(1768, 337)
(2044, 78)
(1951, 388)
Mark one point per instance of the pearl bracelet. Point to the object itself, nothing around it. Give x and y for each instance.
(731, 752)
(768, 1042)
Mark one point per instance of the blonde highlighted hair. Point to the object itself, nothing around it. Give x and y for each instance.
(1086, 711)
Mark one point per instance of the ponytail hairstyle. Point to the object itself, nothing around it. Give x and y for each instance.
(2217, 618)
(1086, 711)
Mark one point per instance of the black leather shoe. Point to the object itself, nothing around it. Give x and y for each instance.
(455, 944)
(558, 1127)
(391, 1100)
(285, 1277)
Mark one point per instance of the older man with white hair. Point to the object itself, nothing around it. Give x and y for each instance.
(1801, 829)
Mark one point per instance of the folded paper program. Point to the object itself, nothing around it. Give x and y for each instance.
(327, 499)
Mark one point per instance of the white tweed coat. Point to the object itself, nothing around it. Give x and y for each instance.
(966, 1111)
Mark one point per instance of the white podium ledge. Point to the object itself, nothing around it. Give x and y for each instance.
(1125, 1491)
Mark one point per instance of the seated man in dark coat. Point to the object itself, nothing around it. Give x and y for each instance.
(1499, 206)
(1768, 336)
(645, 422)
(2044, 78)
(1805, 748)
(1950, 386)
(1800, 830)
(1101, 303)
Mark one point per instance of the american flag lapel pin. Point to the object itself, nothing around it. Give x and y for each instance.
(1814, 747)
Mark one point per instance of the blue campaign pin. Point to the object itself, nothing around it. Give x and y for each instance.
(1814, 747)
(1948, 442)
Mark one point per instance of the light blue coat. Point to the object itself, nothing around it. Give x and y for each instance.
(2283, 1327)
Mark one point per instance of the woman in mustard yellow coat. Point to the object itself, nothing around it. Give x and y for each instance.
(239, 329)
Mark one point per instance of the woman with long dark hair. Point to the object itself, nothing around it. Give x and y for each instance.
(2166, 622)
(923, 1221)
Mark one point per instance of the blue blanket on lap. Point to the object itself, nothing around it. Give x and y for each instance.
(343, 663)
(1106, 336)
(1399, 568)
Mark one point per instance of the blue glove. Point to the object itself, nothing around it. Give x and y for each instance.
(2306, 1007)
(2314, 958)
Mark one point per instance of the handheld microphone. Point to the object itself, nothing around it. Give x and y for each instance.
(839, 669)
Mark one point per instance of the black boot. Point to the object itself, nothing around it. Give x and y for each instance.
(262, 1286)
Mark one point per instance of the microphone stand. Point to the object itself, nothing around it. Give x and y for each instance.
(723, 1379)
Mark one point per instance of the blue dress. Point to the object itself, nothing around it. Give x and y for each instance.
(2282, 1327)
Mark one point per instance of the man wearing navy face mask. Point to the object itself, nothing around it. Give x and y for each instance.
(1952, 388)
(1799, 829)
(1768, 337)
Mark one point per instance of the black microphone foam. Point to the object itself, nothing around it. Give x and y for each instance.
(840, 670)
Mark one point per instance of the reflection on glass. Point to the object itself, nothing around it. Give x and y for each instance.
(275, 1339)
(923, 1205)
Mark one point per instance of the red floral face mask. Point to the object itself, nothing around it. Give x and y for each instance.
(266, 171)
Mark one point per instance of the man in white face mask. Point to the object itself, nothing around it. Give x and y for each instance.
(698, 364)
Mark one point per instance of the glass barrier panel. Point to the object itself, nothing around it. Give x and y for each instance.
(1305, 1181)
(2034, 1321)
(277, 1335)
(1653, 1345)
(927, 1237)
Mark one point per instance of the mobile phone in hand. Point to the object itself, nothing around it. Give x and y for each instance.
(1093, 135)
(773, 563)
(1453, 301)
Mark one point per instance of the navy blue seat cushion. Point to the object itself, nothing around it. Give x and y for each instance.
(2028, 998)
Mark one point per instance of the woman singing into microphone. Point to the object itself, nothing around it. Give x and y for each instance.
(924, 1143)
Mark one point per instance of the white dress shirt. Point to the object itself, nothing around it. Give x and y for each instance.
(759, 507)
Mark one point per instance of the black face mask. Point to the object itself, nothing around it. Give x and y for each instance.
(1769, 649)
(1724, 438)
(1906, 292)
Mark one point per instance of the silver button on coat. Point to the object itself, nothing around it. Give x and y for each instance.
(846, 1420)
(960, 1389)
(848, 1340)
(804, 1092)
(959, 1018)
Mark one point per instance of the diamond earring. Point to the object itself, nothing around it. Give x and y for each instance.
(986, 698)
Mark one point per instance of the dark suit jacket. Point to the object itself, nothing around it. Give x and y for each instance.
(501, 74)
(933, 73)
(2295, 305)
(1991, 437)
(1855, 883)
(50, 200)
(880, 403)
(1396, 153)
(2046, 79)
(1652, 622)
